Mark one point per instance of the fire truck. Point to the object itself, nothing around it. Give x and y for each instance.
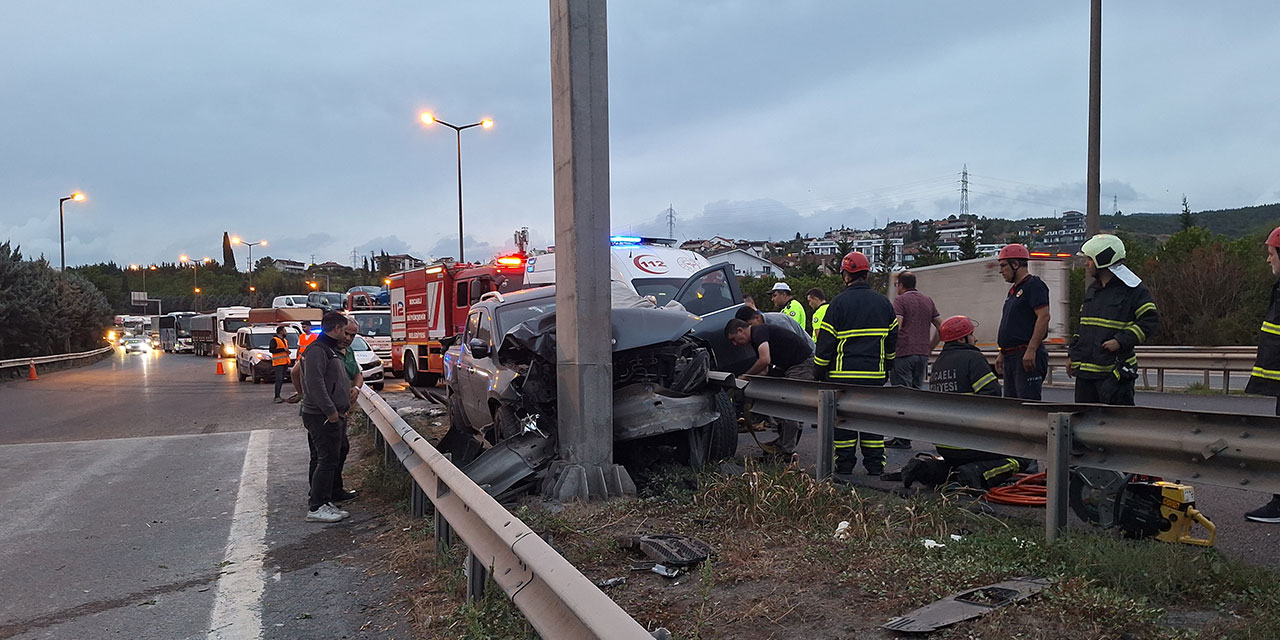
(429, 307)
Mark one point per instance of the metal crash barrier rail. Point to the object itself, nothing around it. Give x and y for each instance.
(23, 362)
(552, 594)
(1222, 449)
(1224, 360)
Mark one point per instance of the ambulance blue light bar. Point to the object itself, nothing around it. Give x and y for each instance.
(628, 240)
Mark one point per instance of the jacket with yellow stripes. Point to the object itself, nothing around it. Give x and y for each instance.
(1266, 369)
(962, 368)
(857, 338)
(1118, 311)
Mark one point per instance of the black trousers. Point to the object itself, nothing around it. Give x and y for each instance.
(848, 441)
(329, 446)
(1108, 390)
(281, 370)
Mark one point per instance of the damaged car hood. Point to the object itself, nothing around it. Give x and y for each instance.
(632, 327)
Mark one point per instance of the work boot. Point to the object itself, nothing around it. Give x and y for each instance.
(897, 443)
(1269, 513)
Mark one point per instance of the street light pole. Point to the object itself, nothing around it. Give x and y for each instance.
(251, 245)
(427, 118)
(62, 229)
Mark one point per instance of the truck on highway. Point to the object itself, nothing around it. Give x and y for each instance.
(975, 288)
(429, 307)
(213, 334)
(175, 331)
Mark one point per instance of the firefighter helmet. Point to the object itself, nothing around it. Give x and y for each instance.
(1105, 249)
(855, 261)
(956, 327)
(1274, 238)
(1015, 250)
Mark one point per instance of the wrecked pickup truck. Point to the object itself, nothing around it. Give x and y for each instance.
(501, 374)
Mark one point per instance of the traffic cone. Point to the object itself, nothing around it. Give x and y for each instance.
(221, 371)
(31, 371)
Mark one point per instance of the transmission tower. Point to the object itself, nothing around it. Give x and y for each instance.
(671, 222)
(964, 191)
(1115, 205)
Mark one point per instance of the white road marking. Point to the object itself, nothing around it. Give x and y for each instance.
(237, 607)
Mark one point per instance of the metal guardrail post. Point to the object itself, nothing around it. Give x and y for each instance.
(826, 432)
(1160, 380)
(389, 458)
(418, 502)
(1057, 475)
(444, 532)
(1226, 382)
(476, 574)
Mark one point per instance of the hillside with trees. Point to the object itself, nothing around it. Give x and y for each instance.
(46, 312)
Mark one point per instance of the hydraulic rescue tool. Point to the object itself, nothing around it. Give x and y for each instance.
(1140, 506)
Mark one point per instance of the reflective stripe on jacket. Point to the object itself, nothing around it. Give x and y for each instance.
(796, 311)
(1116, 311)
(857, 337)
(1265, 379)
(818, 314)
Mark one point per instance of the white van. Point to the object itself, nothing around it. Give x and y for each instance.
(288, 302)
(653, 266)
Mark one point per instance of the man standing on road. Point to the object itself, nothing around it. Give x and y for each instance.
(917, 318)
(787, 305)
(856, 345)
(1118, 314)
(1022, 358)
(279, 359)
(780, 354)
(325, 402)
(1266, 369)
(818, 302)
(340, 492)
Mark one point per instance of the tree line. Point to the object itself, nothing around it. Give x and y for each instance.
(47, 312)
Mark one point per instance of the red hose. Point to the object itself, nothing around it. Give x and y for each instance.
(1027, 491)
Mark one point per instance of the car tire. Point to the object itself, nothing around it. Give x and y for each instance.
(411, 372)
(505, 424)
(377, 386)
(723, 443)
(240, 376)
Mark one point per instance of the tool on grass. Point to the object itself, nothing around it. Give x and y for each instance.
(1140, 506)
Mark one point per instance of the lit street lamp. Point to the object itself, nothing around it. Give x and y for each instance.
(427, 118)
(62, 233)
(195, 266)
(251, 245)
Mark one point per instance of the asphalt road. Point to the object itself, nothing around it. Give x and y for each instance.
(1256, 543)
(146, 497)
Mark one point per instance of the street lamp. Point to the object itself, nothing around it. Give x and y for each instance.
(62, 233)
(195, 266)
(427, 118)
(251, 245)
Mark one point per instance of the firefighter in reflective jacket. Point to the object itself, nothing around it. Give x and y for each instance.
(855, 345)
(1265, 379)
(961, 368)
(279, 359)
(1118, 314)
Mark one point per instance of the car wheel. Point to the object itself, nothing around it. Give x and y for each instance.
(724, 431)
(505, 423)
(411, 372)
(240, 376)
(377, 386)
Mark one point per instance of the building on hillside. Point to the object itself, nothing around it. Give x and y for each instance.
(397, 263)
(900, 230)
(822, 247)
(1063, 236)
(289, 266)
(710, 246)
(1073, 220)
(329, 266)
(746, 263)
(954, 231)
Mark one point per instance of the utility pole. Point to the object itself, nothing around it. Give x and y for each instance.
(671, 222)
(1093, 218)
(580, 157)
(964, 190)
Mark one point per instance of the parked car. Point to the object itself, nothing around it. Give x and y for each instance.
(370, 363)
(253, 351)
(326, 300)
(288, 302)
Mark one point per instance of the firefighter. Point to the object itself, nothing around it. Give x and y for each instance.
(961, 368)
(1024, 323)
(1118, 314)
(788, 305)
(279, 359)
(818, 302)
(1265, 379)
(856, 345)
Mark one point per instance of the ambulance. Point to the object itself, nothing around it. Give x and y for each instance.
(652, 266)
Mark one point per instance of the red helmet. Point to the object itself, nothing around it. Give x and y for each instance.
(956, 327)
(855, 261)
(1014, 251)
(1274, 238)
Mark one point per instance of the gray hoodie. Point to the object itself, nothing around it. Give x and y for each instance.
(326, 389)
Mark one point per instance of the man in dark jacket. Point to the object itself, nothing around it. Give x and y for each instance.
(326, 399)
(1265, 379)
(961, 368)
(856, 345)
(780, 353)
(1118, 314)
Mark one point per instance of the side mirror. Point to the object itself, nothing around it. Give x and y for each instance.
(478, 348)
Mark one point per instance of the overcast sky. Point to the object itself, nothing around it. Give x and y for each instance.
(296, 122)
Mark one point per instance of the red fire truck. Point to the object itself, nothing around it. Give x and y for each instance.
(429, 307)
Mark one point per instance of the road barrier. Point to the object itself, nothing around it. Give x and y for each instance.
(63, 357)
(1223, 449)
(554, 596)
(1208, 360)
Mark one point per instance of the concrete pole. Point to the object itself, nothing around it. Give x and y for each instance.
(1092, 218)
(580, 152)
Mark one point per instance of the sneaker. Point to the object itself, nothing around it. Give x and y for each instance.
(340, 512)
(326, 513)
(278, 400)
(897, 443)
(1269, 513)
(345, 495)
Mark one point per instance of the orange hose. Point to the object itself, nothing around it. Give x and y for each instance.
(1028, 491)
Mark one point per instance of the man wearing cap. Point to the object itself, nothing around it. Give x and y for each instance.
(1023, 326)
(961, 368)
(788, 305)
(1118, 314)
(1265, 379)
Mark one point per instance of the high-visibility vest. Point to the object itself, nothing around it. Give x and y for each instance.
(305, 341)
(279, 352)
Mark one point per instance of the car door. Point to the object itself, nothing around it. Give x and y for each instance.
(714, 295)
(462, 370)
(481, 371)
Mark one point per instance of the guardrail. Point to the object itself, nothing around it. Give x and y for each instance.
(1208, 360)
(1223, 449)
(23, 362)
(554, 596)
